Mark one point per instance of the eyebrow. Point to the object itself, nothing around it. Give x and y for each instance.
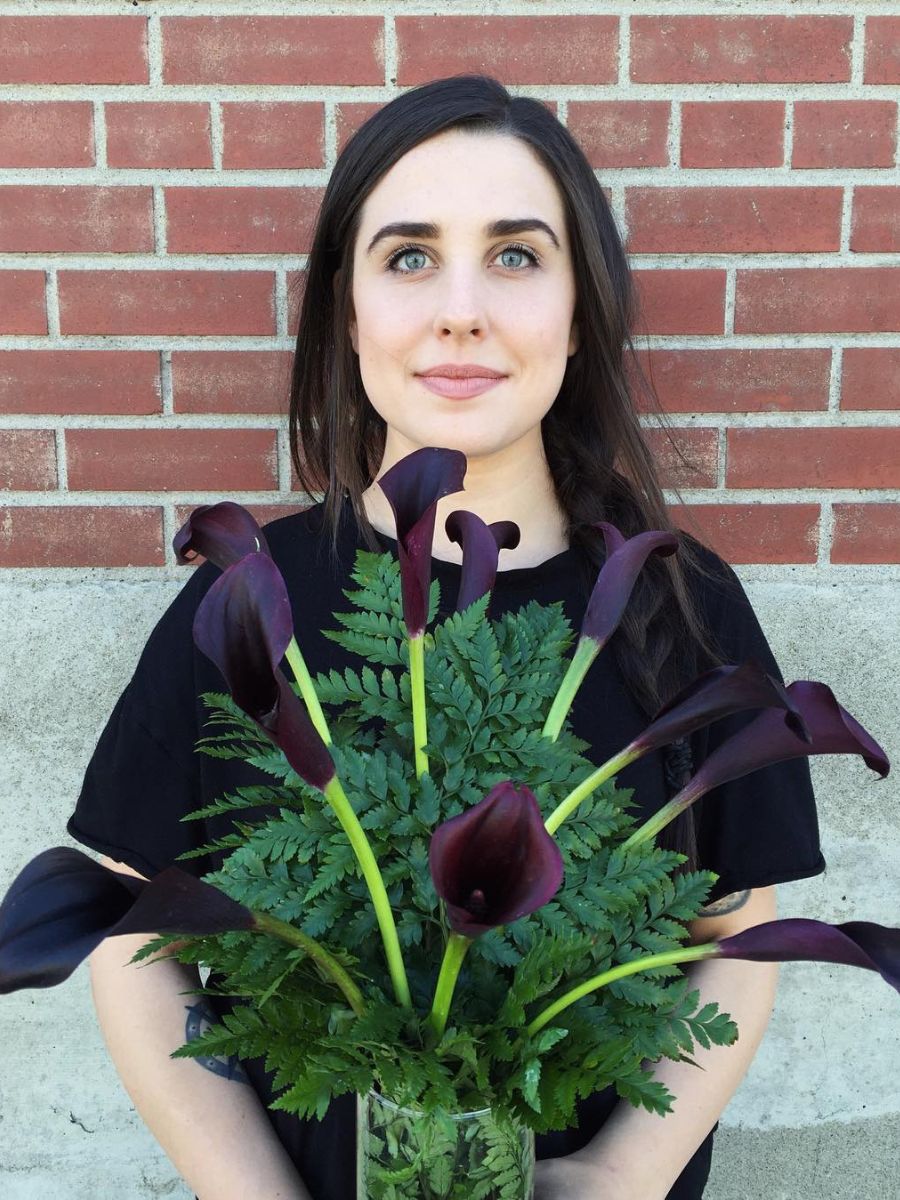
(426, 229)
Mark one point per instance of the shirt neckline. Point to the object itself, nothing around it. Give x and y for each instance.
(549, 568)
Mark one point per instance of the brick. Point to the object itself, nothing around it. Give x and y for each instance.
(819, 458)
(740, 380)
(870, 377)
(241, 220)
(350, 116)
(81, 536)
(273, 50)
(732, 219)
(739, 49)
(73, 49)
(875, 220)
(226, 303)
(753, 533)
(621, 133)
(882, 54)
(814, 300)
(266, 136)
(27, 460)
(79, 381)
(247, 381)
(82, 219)
(23, 305)
(844, 133)
(746, 133)
(866, 533)
(700, 448)
(150, 460)
(680, 300)
(46, 134)
(148, 133)
(519, 50)
(262, 512)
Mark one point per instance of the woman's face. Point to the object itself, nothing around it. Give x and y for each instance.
(463, 294)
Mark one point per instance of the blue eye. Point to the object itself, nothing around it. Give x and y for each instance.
(513, 248)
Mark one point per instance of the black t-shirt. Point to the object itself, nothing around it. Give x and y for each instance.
(145, 773)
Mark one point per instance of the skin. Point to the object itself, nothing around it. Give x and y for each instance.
(465, 297)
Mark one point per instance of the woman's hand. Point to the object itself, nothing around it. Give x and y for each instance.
(571, 1177)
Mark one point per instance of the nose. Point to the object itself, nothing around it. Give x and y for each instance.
(460, 303)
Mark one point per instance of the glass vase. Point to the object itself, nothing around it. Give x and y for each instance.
(405, 1154)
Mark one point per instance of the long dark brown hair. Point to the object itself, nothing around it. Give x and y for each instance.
(600, 463)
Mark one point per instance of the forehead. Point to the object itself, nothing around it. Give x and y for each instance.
(459, 179)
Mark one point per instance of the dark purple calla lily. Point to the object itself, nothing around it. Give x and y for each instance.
(715, 694)
(854, 944)
(481, 544)
(222, 532)
(63, 904)
(244, 625)
(617, 578)
(413, 487)
(495, 862)
(768, 739)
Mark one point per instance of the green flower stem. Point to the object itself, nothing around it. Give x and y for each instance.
(329, 965)
(307, 691)
(337, 798)
(682, 954)
(585, 653)
(660, 819)
(457, 945)
(566, 807)
(417, 693)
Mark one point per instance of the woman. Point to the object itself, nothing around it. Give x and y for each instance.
(462, 233)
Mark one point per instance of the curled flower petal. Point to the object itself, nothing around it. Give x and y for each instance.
(853, 943)
(768, 739)
(495, 862)
(617, 578)
(717, 693)
(481, 544)
(244, 625)
(63, 904)
(413, 487)
(222, 532)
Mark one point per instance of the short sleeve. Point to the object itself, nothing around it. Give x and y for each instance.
(761, 829)
(144, 774)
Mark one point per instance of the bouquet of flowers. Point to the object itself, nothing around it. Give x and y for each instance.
(445, 908)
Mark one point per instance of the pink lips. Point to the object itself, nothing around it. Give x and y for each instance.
(459, 389)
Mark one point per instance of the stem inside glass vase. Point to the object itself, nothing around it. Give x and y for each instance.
(440, 1156)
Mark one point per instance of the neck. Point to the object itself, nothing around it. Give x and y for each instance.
(525, 496)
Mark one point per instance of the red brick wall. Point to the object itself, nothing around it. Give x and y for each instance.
(145, 309)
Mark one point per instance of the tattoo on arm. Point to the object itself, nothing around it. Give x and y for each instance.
(727, 904)
(200, 1018)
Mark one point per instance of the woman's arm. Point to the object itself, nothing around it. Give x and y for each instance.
(638, 1155)
(209, 1121)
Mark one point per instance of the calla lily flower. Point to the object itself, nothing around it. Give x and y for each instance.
(63, 904)
(617, 578)
(244, 625)
(481, 544)
(413, 487)
(853, 944)
(714, 694)
(222, 532)
(612, 591)
(768, 739)
(718, 693)
(494, 862)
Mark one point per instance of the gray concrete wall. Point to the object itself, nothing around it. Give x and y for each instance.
(818, 1115)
